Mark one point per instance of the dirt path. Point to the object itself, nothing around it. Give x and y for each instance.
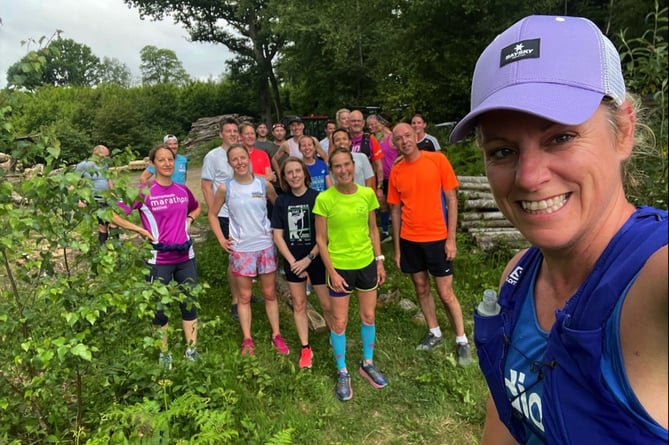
(193, 183)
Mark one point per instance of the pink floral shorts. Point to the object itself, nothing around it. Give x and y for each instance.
(250, 264)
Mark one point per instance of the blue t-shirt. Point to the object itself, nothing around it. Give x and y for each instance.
(318, 172)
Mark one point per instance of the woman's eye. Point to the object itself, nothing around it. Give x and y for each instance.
(499, 153)
(562, 138)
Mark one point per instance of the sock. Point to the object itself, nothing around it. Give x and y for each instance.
(461, 339)
(339, 348)
(368, 335)
(102, 237)
(385, 221)
(437, 331)
(306, 346)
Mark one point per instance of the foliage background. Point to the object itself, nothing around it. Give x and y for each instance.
(78, 362)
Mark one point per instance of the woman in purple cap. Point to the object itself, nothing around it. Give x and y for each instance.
(575, 351)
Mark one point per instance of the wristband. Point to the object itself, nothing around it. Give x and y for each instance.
(191, 218)
(311, 256)
(380, 258)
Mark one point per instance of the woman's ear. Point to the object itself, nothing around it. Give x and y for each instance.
(626, 123)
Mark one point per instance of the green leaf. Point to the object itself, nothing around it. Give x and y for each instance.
(82, 351)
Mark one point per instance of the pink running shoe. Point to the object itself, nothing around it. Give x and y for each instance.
(280, 344)
(306, 357)
(248, 348)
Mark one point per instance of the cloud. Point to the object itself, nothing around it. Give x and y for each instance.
(109, 28)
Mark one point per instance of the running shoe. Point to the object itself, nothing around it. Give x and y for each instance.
(464, 354)
(165, 361)
(373, 375)
(248, 347)
(192, 355)
(280, 344)
(430, 343)
(306, 358)
(343, 389)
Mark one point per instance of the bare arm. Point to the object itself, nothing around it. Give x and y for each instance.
(212, 215)
(271, 191)
(376, 245)
(452, 205)
(396, 217)
(283, 148)
(644, 333)
(494, 431)
(125, 224)
(207, 193)
(145, 177)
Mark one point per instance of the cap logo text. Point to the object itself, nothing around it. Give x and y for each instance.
(525, 49)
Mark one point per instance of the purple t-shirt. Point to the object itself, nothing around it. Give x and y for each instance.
(389, 155)
(163, 212)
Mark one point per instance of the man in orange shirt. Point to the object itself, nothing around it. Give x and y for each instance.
(421, 188)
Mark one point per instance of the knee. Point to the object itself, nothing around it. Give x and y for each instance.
(339, 325)
(299, 306)
(367, 318)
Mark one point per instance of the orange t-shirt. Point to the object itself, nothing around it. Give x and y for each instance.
(419, 187)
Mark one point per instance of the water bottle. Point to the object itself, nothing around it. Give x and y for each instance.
(488, 307)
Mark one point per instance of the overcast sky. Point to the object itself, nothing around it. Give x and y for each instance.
(108, 27)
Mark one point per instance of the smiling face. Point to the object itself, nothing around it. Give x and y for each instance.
(342, 167)
(238, 158)
(418, 124)
(356, 123)
(296, 129)
(173, 145)
(248, 136)
(230, 134)
(307, 147)
(558, 184)
(343, 119)
(341, 138)
(404, 138)
(293, 174)
(163, 162)
(373, 124)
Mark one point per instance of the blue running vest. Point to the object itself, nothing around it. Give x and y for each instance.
(577, 406)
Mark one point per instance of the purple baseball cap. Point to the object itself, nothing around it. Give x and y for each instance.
(558, 68)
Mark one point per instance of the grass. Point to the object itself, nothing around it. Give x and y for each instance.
(429, 398)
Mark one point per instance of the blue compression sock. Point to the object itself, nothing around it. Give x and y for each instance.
(368, 335)
(339, 348)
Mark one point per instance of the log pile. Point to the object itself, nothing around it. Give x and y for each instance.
(207, 129)
(480, 217)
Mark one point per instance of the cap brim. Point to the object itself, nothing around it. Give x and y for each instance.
(564, 104)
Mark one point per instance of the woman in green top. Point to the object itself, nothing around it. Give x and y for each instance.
(348, 242)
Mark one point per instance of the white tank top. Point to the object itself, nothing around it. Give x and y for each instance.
(249, 226)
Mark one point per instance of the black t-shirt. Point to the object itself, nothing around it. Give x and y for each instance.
(426, 145)
(293, 214)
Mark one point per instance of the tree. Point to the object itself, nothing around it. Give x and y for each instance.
(251, 36)
(114, 71)
(62, 62)
(161, 66)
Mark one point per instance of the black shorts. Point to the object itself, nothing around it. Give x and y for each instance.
(224, 222)
(315, 271)
(364, 279)
(431, 256)
(186, 275)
